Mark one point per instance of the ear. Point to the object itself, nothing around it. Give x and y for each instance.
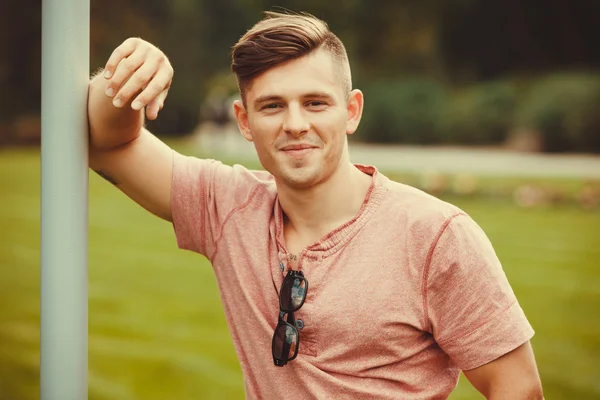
(242, 120)
(355, 109)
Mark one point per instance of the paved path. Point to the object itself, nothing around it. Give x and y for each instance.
(475, 161)
(416, 159)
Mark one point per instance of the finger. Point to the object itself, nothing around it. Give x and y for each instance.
(121, 52)
(126, 68)
(159, 83)
(156, 105)
(135, 84)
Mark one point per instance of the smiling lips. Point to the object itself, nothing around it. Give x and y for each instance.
(294, 147)
(298, 150)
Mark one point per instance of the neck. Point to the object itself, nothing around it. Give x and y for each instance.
(318, 210)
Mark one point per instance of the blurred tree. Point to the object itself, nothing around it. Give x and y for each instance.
(455, 42)
(483, 40)
(398, 38)
(20, 63)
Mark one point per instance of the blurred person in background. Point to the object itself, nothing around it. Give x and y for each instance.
(336, 281)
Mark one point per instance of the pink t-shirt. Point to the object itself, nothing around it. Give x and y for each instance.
(400, 299)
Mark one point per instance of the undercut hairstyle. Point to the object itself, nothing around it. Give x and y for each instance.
(284, 37)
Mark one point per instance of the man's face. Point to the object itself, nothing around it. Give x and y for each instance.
(298, 116)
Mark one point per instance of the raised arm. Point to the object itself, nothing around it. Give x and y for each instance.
(136, 78)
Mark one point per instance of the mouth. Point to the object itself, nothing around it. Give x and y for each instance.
(298, 150)
(297, 147)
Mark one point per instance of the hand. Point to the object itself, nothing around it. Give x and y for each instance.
(139, 75)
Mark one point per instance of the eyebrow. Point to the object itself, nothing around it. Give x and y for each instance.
(267, 98)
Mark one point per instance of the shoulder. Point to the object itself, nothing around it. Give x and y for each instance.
(421, 213)
(215, 177)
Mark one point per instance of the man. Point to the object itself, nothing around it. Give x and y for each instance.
(336, 282)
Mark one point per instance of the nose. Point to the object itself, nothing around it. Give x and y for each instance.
(295, 122)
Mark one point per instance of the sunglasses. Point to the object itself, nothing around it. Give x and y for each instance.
(286, 338)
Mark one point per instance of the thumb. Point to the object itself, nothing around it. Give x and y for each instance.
(156, 105)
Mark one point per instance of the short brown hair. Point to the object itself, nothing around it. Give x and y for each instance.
(283, 37)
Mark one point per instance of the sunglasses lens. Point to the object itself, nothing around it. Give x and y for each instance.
(285, 342)
(293, 293)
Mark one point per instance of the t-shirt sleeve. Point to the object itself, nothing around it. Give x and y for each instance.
(204, 193)
(474, 314)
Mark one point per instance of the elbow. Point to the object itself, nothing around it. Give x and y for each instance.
(533, 390)
(536, 392)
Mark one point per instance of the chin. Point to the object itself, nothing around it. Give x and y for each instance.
(300, 179)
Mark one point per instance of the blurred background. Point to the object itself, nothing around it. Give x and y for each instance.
(494, 106)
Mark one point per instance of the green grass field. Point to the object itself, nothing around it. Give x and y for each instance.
(156, 325)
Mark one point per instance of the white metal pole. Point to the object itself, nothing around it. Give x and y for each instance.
(64, 203)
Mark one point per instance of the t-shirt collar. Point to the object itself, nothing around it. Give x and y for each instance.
(337, 238)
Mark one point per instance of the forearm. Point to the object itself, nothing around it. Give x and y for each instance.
(122, 151)
(110, 126)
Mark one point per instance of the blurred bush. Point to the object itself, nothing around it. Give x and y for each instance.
(402, 112)
(561, 109)
(482, 114)
(564, 109)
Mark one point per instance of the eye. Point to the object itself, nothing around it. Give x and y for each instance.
(316, 104)
(270, 106)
